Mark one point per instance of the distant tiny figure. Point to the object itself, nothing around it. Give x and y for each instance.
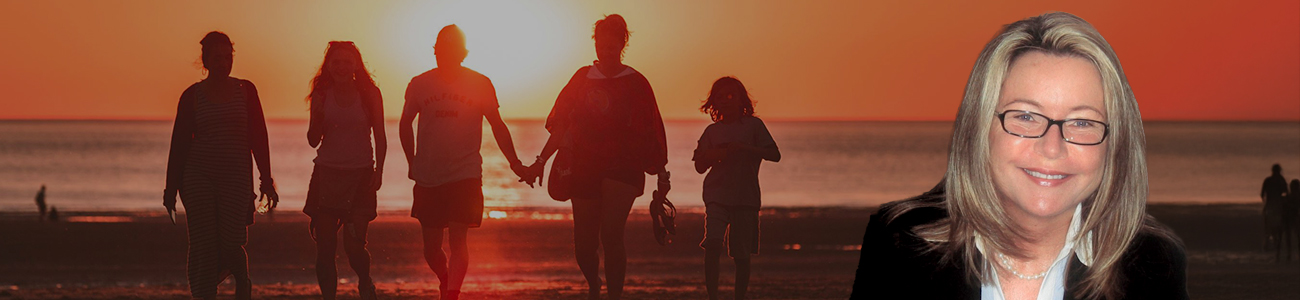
(1292, 215)
(219, 134)
(451, 102)
(733, 146)
(54, 214)
(347, 109)
(1277, 232)
(40, 203)
(1274, 186)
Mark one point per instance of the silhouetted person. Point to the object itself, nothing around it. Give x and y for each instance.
(451, 102)
(219, 123)
(346, 111)
(54, 214)
(1273, 193)
(1291, 215)
(607, 120)
(1274, 188)
(40, 203)
(1292, 208)
(733, 147)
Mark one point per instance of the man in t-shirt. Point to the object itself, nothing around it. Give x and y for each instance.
(1274, 188)
(444, 159)
(1276, 220)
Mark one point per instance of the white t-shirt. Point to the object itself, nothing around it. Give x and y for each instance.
(734, 180)
(451, 103)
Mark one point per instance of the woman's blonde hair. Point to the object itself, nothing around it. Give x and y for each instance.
(361, 78)
(1113, 214)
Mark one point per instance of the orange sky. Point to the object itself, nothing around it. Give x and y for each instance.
(884, 60)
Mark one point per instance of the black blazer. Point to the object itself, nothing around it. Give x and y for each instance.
(893, 264)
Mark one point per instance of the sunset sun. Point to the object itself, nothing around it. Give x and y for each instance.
(526, 48)
(598, 149)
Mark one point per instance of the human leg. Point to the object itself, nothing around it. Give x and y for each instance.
(429, 208)
(619, 198)
(203, 257)
(742, 243)
(433, 255)
(238, 264)
(458, 241)
(233, 225)
(711, 257)
(324, 230)
(715, 233)
(354, 243)
(1288, 234)
(586, 242)
(742, 277)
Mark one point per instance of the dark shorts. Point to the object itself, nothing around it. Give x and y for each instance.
(587, 184)
(457, 201)
(733, 226)
(343, 194)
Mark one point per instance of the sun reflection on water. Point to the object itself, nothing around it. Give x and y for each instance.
(99, 219)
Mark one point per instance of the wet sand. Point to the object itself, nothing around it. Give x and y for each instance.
(807, 253)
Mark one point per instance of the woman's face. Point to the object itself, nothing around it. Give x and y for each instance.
(1045, 178)
(219, 60)
(609, 49)
(341, 66)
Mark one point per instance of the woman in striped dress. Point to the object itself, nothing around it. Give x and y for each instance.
(218, 124)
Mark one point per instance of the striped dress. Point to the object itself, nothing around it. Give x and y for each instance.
(217, 193)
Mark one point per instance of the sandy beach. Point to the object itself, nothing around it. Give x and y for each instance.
(807, 253)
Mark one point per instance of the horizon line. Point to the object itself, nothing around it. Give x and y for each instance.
(10, 118)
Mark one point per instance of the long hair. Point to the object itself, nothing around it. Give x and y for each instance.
(365, 84)
(716, 93)
(1113, 214)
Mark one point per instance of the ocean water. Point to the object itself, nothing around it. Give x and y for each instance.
(120, 165)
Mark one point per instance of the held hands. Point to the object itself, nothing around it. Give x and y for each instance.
(524, 172)
(531, 173)
(538, 169)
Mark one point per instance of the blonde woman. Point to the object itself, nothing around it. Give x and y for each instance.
(1046, 188)
(347, 114)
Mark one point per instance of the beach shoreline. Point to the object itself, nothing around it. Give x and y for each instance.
(806, 253)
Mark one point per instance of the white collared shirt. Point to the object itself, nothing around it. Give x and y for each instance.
(1053, 285)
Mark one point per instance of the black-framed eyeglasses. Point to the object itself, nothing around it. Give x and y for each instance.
(1027, 124)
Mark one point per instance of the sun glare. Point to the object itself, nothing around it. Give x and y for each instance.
(520, 45)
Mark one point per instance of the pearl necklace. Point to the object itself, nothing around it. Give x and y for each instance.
(1006, 264)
